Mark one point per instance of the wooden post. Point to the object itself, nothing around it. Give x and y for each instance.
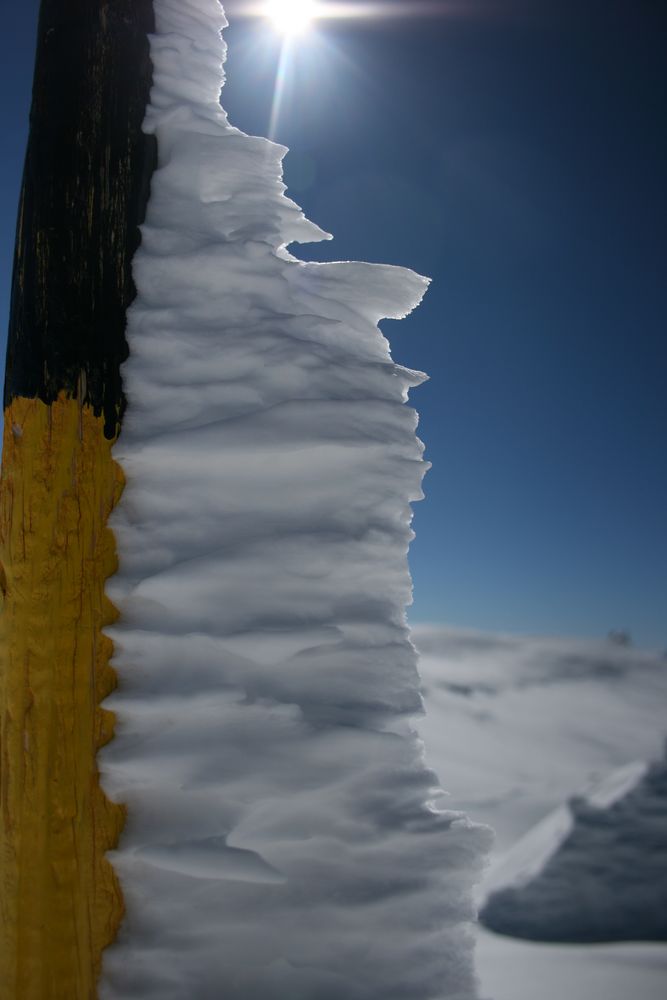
(85, 188)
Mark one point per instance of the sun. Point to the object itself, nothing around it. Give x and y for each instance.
(292, 17)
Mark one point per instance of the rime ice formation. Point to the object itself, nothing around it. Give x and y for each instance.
(282, 840)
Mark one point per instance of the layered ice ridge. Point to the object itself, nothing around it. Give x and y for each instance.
(282, 839)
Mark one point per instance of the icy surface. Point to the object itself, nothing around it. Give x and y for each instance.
(282, 840)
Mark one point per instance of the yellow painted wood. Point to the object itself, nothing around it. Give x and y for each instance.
(60, 901)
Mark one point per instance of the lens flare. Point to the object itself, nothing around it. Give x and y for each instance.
(292, 17)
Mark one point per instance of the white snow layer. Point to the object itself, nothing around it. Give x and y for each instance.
(606, 880)
(515, 725)
(282, 842)
(531, 854)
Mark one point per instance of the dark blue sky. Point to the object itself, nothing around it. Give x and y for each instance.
(516, 153)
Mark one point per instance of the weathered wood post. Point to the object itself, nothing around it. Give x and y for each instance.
(85, 187)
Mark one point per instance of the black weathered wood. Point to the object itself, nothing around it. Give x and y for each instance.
(85, 188)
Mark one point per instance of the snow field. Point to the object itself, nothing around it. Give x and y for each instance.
(517, 725)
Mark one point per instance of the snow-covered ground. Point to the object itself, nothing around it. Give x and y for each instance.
(522, 970)
(602, 879)
(516, 726)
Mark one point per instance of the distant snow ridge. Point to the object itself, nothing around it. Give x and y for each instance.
(281, 841)
(516, 725)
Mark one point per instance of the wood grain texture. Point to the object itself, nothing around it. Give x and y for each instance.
(60, 902)
(85, 187)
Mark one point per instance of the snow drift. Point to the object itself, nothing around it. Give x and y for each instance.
(516, 725)
(282, 839)
(528, 858)
(604, 878)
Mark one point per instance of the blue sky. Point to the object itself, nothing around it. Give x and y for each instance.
(516, 153)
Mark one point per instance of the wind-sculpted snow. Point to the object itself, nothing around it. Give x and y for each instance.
(518, 725)
(282, 840)
(515, 725)
(605, 879)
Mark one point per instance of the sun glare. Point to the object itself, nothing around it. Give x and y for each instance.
(292, 17)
